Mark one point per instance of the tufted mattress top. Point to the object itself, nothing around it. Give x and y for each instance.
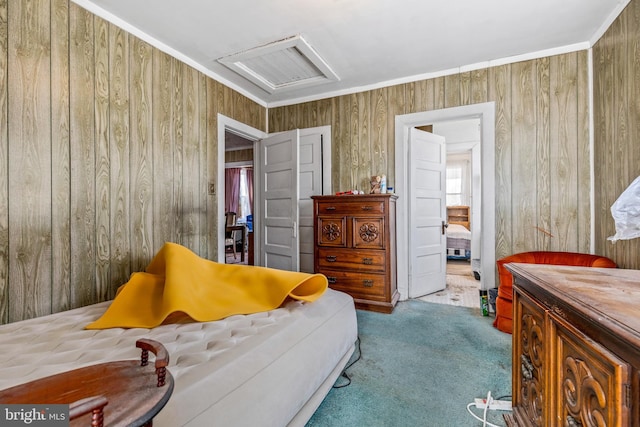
(257, 369)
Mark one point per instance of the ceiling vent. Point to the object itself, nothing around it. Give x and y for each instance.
(286, 64)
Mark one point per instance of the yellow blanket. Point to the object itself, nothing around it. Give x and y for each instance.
(178, 281)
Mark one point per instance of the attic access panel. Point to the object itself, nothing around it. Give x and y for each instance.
(286, 64)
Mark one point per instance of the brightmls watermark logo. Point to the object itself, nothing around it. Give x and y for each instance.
(34, 415)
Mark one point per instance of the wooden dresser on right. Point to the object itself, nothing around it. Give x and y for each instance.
(576, 346)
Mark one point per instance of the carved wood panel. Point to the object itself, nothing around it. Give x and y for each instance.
(368, 233)
(591, 382)
(529, 368)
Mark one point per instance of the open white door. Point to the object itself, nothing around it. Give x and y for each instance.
(427, 213)
(278, 194)
(311, 182)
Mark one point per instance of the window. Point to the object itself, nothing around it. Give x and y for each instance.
(454, 185)
(458, 180)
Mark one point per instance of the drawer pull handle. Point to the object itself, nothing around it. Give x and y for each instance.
(367, 208)
(331, 258)
(367, 261)
(332, 279)
(330, 208)
(367, 283)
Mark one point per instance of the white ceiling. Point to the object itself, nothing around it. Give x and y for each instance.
(367, 43)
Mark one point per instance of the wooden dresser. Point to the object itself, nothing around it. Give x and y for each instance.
(355, 247)
(576, 346)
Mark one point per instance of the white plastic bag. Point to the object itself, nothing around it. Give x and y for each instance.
(626, 213)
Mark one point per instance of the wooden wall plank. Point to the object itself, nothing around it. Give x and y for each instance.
(379, 143)
(143, 247)
(465, 88)
(163, 70)
(543, 177)
(177, 102)
(212, 168)
(479, 86)
(341, 175)
(584, 154)
(102, 159)
(354, 181)
(500, 91)
(60, 154)
(119, 159)
(29, 159)
(4, 171)
(602, 102)
(82, 160)
(524, 192)
(564, 150)
(202, 208)
(191, 164)
(452, 92)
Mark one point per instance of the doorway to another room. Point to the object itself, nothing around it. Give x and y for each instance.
(481, 221)
(238, 199)
(462, 183)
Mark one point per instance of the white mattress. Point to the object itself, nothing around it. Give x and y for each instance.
(260, 369)
(457, 231)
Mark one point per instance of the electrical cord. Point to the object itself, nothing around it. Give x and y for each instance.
(485, 423)
(344, 371)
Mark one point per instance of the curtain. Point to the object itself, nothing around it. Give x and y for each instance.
(250, 186)
(232, 189)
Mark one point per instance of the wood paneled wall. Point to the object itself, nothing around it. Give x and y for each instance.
(616, 94)
(541, 147)
(106, 148)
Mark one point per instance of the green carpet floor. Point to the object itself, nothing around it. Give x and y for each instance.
(421, 366)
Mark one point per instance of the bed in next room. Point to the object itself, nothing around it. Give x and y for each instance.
(270, 368)
(458, 242)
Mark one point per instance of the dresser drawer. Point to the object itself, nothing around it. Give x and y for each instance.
(363, 260)
(350, 207)
(361, 286)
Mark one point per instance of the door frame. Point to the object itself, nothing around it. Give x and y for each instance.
(228, 124)
(486, 113)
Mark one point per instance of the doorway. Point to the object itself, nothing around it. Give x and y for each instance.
(238, 199)
(486, 114)
(315, 178)
(249, 136)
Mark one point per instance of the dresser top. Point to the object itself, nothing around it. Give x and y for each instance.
(606, 296)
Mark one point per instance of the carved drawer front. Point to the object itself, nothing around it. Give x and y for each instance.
(363, 260)
(529, 369)
(368, 233)
(363, 286)
(594, 387)
(353, 207)
(332, 231)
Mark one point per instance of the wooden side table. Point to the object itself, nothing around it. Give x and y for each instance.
(123, 393)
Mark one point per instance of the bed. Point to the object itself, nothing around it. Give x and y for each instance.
(458, 242)
(269, 369)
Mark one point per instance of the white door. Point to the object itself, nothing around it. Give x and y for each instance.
(311, 183)
(427, 213)
(278, 195)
